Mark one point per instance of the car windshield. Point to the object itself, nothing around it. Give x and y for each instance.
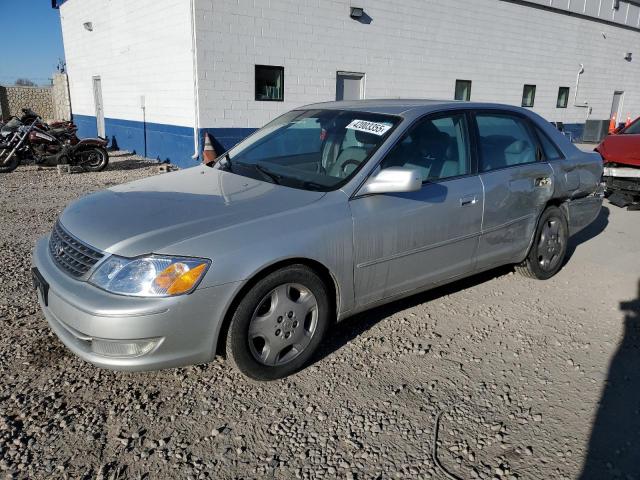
(633, 129)
(310, 149)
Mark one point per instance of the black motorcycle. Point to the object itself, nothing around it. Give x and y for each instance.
(22, 141)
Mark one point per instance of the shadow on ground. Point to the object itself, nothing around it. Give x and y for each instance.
(614, 446)
(593, 230)
(346, 331)
(130, 164)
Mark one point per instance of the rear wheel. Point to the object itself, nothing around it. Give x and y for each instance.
(94, 159)
(279, 324)
(549, 247)
(10, 165)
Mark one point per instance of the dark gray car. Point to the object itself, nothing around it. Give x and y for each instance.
(327, 211)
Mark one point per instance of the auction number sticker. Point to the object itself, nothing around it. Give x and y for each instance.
(369, 127)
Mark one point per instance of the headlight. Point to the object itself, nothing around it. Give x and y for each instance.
(152, 276)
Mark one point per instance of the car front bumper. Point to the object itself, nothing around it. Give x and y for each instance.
(622, 172)
(129, 333)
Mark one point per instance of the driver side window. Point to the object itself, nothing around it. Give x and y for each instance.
(437, 147)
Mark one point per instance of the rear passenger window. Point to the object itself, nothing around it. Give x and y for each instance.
(551, 152)
(437, 147)
(505, 141)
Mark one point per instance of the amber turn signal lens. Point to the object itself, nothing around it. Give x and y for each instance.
(177, 278)
(169, 275)
(187, 280)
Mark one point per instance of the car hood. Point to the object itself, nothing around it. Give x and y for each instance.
(150, 215)
(621, 148)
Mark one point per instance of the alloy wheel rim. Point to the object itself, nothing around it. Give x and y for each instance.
(283, 324)
(94, 159)
(551, 244)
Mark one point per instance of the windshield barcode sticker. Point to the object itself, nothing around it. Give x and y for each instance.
(369, 127)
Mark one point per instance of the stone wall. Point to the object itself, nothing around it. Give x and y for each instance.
(39, 99)
(60, 97)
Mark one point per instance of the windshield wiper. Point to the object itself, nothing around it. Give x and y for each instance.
(313, 185)
(267, 173)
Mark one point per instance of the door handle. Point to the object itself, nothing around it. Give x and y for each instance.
(543, 181)
(470, 200)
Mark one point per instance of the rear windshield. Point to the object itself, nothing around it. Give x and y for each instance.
(311, 149)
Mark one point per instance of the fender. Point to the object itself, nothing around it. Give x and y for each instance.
(91, 142)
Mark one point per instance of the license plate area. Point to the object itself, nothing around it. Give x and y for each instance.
(40, 284)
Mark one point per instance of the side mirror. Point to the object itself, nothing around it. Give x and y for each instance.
(393, 180)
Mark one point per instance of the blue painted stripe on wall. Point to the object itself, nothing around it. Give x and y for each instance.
(165, 143)
(225, 138)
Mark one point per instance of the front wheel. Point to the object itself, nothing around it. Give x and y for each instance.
(8, 165)
(549, 247)
(94, 159)
(279, 324)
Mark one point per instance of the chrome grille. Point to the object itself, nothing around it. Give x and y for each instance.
(71, 255)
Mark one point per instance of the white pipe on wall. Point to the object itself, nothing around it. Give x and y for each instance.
(196, 97)
(575, 95)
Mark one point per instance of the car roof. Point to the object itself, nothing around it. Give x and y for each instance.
(405, 107)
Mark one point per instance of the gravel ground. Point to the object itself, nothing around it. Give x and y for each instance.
(528, 379)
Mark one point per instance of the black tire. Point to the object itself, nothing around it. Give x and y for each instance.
(243, 350)
(549, 247)
(11, 165)
(101, 160)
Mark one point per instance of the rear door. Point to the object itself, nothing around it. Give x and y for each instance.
(517, 186)
(406, 241)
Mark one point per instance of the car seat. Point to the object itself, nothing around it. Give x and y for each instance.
(519, 152)
(353, 156)
(428, 150)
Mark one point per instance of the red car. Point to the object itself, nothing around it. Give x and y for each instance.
(621, 156)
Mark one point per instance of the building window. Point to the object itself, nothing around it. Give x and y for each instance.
(463, 90)
(528, 95)
(269, 83)
(563, 97)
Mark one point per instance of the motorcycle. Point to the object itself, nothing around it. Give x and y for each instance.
(48, 146)
(55, 128)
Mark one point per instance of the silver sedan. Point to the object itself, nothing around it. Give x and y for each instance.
(327, 211)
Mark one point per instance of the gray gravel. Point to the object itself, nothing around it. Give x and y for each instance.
(517, 366)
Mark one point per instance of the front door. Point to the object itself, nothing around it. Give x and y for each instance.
(407, 241)
(97, 98)
(517, 186)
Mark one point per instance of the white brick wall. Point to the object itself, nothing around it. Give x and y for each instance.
(140, 47)
(412, 48)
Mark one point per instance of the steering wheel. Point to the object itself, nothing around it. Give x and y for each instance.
(346, 163)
